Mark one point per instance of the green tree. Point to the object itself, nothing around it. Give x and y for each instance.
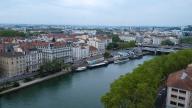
(107, 54)
(121, 45)
(112, 46)
(53, 40)
(139, 88)
(115, 39)
(186, 40)
(167, 42)
(124, 45)
(51, 67)
(11, 33)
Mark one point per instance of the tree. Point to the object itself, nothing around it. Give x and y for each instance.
(11, 33)
(53, 40)
(124, 45)
(115, 39)
(121, 45)
(51, 67)
(112, 46)
(167, 42)
(107, 54)
(186, 40)
(139, 88)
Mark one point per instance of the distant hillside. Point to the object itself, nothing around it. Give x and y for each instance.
(11, 33)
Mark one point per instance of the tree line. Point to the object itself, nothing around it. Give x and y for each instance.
(52, 67)
(117, 43)
(11, 33)
(139, 88)
(186, 40)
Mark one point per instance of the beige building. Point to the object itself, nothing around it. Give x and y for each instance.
(17, 63)
(99, 42)
(179, 89)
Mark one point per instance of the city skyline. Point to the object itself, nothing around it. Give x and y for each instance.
(97, 12)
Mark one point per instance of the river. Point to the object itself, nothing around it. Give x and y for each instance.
(76, 90)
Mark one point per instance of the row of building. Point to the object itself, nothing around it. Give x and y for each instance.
(150, 38)
(20, 57)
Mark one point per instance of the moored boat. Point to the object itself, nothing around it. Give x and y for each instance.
(81, 68)
(121, 60)
(104, 63)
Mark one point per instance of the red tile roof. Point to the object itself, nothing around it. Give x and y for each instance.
(103, 37)
(181, 79)
(56, 36)
(29, 45)
(92, 48)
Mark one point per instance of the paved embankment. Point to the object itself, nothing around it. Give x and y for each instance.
(38, 80)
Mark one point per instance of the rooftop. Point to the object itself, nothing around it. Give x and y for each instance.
(181, 79)
(12, 54)
(92, 48)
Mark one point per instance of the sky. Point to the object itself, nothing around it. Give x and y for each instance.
(97, 12)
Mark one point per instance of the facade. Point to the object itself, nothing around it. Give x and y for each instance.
(80, 52)
(34, 60)
(147, 41)
(105, 39)
(57, 50)
(1, 48)
(158, 39)
(93, 51)
(18, 63)
(95, 59)
(127, 38)
(99, 42)
(174, 40)
(13, 64)
(179, 89)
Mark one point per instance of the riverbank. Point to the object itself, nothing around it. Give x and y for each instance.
(74, 90)
(38, 80)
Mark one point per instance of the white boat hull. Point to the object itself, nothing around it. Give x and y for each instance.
(121, 61)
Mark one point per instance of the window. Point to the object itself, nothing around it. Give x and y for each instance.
(181, 105)
(173, 96)
(173, 103)
(182, 91)
(181, 98)
(175, 90)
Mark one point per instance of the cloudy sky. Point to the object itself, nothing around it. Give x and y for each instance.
(97, 12)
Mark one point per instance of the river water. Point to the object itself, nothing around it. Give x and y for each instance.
(76, 90)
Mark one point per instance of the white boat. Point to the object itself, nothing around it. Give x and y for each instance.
(120, 61)
(104, 63)
(81, 68)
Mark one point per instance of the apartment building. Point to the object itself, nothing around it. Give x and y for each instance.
(158, 39)
(55, 50)
(34, 59)
(80, 52)
(127, 38)
(179, 89)
(99, 42)
(18, 63)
